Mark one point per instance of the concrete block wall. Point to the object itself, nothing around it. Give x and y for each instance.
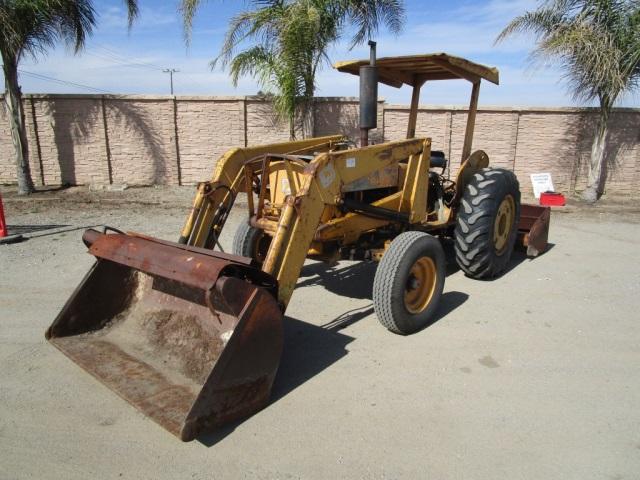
(206, 130)
(560, 142)
(340, 115)
(529, 140)
(552, 149)
(149, 139)
(70, 144)
(141, 141)
(7, 159)
(263, 125)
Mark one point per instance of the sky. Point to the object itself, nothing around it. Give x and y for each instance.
(116, 60)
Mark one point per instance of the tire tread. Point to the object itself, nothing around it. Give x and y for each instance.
(473, 234)
(243, 240)
(384, 282)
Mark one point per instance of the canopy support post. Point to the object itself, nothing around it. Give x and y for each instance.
(471, 121)
(413, 112)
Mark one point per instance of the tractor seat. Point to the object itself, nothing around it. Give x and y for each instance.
(438, 160)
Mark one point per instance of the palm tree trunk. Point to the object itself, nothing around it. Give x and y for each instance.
(13, 101)
(305, 105)
(595, 179)
(292, 127)
(306, 122)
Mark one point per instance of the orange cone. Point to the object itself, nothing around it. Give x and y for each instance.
(3, 223)
(4, 232)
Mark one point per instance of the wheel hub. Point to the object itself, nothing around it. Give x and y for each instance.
(420, 285)
(503, 223)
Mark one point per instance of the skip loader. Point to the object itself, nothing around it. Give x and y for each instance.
(192, 336)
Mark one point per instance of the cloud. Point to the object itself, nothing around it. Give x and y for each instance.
(137, 76)
(494, 11)
(209, 31)
(467, 30)
(115, 18)
(518, 87)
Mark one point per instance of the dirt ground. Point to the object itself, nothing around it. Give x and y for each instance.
(535, 375)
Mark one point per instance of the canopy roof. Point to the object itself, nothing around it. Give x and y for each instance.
(416, 69)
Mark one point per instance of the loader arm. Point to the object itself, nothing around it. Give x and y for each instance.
(322, 182)
(215, 198)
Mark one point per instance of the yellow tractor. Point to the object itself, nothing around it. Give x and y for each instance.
(192, 336)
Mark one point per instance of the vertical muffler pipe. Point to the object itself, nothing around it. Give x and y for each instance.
(368, 96)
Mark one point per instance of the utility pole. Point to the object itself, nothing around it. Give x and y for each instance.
(171, 71)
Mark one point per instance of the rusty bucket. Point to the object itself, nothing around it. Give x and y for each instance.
(533, 228)
(190, 337)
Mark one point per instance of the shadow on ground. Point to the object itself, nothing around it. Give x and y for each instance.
(24, 229)
(310, 349)
(517, 257)
(52, 188)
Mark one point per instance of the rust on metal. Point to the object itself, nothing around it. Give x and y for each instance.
(190, 337)
(533, 228)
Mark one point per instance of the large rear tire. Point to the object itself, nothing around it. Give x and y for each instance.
(408, 283)
(487, 223)
(251, 242)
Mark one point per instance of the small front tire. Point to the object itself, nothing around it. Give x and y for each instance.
(408, 283)
(251, 242)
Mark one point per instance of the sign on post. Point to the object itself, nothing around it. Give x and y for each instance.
(541, 183)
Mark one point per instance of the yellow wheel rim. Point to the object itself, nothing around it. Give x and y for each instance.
(503, 224)
(420, 285)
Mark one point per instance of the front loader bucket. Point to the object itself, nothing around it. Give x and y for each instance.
(190, 337)
(533, 228)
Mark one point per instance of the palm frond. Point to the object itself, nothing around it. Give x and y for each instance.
(537, 22)
(32, 27)
(188, 9)
(256, 62)
(284, 43)
(595, 42)
(132, 11)
(369, 15)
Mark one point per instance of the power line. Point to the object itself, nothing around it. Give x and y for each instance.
(120, 63)
(195, 81)
(120, 58)
(111, 55)
(62, 82)
(116, 54)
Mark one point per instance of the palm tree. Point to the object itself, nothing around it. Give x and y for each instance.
(289, 41)
(30, 28)
(597, 44)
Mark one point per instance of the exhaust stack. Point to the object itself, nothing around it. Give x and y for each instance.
(368, 96)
